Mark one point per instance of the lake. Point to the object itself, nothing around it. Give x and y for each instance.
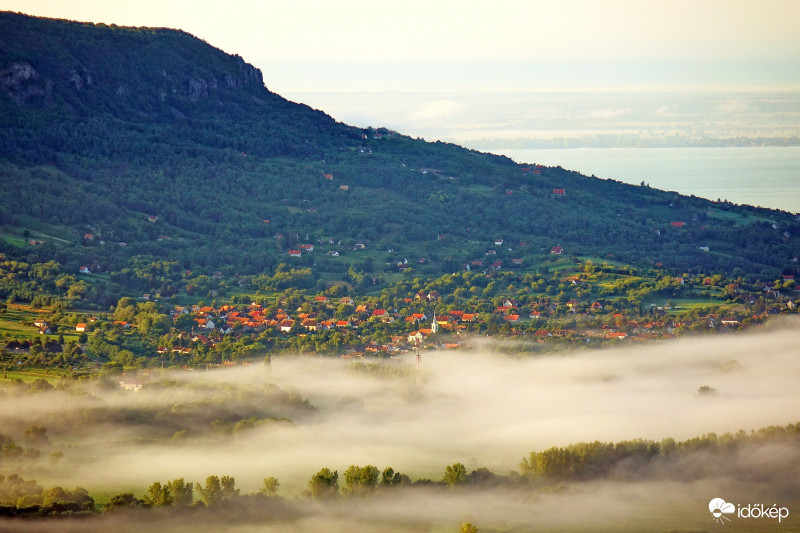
(762, 176)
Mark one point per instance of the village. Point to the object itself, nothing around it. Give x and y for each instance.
(570, 304)
(393, 323)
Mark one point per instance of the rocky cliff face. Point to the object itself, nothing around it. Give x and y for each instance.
(21, 82)
(248, 76)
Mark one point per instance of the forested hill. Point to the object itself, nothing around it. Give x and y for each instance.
(82, 75)
(126, 146)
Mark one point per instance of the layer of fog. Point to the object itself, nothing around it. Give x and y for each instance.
(481, 408)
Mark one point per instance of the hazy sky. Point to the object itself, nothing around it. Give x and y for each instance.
(350, 45)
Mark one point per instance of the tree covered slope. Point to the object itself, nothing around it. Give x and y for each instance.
(164, 147)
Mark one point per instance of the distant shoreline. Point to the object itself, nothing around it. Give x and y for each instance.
(712, 172)
(628, 141)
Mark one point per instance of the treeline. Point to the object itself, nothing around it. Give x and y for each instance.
(573, 463)
(590, 460)
(26, 498)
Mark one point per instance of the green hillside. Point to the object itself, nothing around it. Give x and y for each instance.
(145, 153)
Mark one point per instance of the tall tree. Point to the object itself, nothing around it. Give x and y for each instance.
(324, 484)
(360, 480)
(181, 492)
(455, 474)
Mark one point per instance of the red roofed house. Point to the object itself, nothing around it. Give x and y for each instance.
(678, 224)
(415, 337)
(557, 250)
(418, 336)
(295, 253)
(559, 192)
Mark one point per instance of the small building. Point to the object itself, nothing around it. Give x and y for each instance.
(132, 385)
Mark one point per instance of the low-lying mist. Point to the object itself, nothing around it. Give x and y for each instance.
(479, 407)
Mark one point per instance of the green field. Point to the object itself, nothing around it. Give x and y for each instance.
(17, 321)
(32, 375)
(740, 219)
(42, 231)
